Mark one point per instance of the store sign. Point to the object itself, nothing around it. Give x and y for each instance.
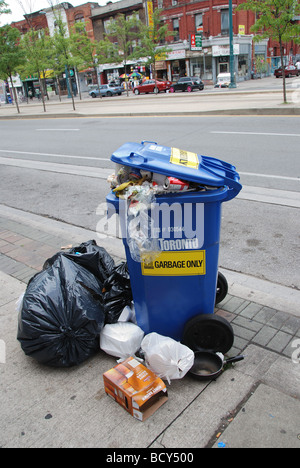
(241, 29)
(176, 54)
(224, 50)
(196, 42)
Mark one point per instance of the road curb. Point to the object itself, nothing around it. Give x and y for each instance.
(294, 111)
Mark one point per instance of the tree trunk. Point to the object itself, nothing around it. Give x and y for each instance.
(42, 92)
(98, 84)
(58, 86)
(14, 93)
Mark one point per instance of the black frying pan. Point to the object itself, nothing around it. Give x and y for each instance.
(208, 365)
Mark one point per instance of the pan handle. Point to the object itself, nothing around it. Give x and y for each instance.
(235, 359)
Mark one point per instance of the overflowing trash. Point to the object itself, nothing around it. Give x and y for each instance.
(82, 302)
(66, 305)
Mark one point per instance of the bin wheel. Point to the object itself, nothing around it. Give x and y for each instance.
(222, 288)
(210, 332)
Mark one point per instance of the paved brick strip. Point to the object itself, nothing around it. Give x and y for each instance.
(24, 249)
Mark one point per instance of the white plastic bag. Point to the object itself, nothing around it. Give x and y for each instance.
(128, 314)
(167, 358)
(121, 339)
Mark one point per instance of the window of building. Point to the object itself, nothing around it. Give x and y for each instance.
(106, 24)
(176, 28)
(199, 23)
(79, 18)
(174, 2)
(160, 4)
(225, 22)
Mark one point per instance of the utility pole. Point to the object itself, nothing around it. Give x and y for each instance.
(232, 80)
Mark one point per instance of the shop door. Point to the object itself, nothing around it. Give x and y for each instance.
(224, 67)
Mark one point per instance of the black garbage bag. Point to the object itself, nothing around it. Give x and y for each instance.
(117, 293)
(62, 314)
(90, 256)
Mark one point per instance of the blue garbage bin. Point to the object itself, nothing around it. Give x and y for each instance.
(176, 279)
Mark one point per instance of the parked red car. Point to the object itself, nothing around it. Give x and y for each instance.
(152, 86)
(290, 70)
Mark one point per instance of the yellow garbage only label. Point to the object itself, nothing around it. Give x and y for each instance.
(180, 263)
(184, 158)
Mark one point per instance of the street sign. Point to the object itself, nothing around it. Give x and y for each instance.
(196, 42)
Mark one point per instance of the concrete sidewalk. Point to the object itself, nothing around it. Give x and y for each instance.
(246, 99)
(253, 404)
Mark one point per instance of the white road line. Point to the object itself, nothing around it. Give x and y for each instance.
(257, 133)
(259, 194)
(54, 155)
(57, 129)
(270, 176)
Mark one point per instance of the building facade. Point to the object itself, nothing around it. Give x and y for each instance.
(200, 45)
(46, 20)
(101, 19)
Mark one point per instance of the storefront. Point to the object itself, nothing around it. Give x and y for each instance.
(242, 54)
(201, 64)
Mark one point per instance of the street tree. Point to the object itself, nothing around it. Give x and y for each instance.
(62, 49)
(36, 45)
(4, 9)
(275, 19)
(88, 53)
(11, 56)
(124, 31)
(151, 40)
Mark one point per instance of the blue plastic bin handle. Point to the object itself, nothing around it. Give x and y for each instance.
(234, 187)
(136, 159)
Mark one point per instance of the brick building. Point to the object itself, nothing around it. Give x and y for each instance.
(101, 18)
(46, 19)
(210, 18)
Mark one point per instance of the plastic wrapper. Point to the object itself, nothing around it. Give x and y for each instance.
(167, 358)
(62, 315)
(122, 339)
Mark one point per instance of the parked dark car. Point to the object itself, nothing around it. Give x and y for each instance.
(187, 83)
(106, 90)
(290, 70)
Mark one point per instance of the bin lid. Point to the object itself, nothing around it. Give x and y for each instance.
(178, 163)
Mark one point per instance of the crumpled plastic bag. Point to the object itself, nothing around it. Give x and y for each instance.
(167, 358)
(117, 293)
(90, 256)
(65, 306)
(122, 339)
(61, 315)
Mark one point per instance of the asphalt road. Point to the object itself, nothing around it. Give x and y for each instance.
(58, 168)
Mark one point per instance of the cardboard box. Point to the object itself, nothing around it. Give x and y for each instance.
(136, 388)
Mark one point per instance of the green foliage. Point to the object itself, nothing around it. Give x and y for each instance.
(151, 39)
(275, 19)
(4, 9)
(11, 55)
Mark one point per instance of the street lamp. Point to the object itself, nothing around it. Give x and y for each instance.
(232, 80)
